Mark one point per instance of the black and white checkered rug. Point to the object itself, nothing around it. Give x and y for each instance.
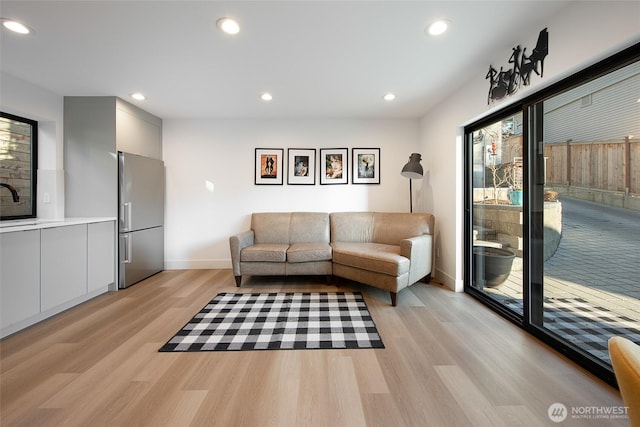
(277, 321)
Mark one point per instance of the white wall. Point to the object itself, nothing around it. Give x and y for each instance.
(26, 100)
(579, 35)
(198, 222)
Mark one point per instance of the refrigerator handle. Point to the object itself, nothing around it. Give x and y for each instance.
(127, 249)
(125, 214)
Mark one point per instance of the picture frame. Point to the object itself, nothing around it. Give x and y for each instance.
(366, 165)
(301, 166)
(268, 166)
(334, 166)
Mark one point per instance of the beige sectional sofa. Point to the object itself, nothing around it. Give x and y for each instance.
(390, 251)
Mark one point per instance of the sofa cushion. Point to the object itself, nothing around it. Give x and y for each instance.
(392, 227)
(305, 252)
(290, 227)
(264, 253)
(309, 227)
(379, 227)
(270, 227)
(376, 257)
(351, 227)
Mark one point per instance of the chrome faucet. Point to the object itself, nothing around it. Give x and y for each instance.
(14, 192)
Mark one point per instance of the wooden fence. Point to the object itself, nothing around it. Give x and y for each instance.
(601, 165)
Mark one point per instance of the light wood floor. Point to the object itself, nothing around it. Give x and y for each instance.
(448, 361)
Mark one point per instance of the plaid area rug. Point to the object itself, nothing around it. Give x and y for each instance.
(277, 321)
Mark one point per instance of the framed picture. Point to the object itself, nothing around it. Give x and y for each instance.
(269, 166)
(334, 166)
(302, 166)
(366, 165)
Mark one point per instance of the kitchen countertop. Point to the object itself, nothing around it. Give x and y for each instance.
(38, 223)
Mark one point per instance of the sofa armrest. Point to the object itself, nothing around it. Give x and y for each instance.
(419, 250)
(237, 243)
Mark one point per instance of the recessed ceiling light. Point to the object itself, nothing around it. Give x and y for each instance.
(389, 96)
(266, 97)
(138, 96)
(228, 25)
(438, 27)
(15, 26)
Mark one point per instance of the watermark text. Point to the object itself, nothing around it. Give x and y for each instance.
(558, 412)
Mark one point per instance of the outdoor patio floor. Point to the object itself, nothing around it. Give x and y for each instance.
(591, 284)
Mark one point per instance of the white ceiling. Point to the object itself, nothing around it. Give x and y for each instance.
(328, 59)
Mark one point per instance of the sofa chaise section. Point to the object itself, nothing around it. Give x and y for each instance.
(390, 251)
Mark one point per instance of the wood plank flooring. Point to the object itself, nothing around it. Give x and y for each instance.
(448, 361)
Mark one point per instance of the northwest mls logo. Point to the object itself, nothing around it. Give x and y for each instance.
(557, 412)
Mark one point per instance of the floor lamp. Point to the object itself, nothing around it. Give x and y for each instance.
(412, 170)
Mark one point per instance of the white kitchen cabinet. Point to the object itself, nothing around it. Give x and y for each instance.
(95, 129)
(19, 276)
(50, 266)
(63, 264)
(101, 252)
(138, 132)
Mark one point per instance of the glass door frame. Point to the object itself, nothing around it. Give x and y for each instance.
(468, 213)
(533, 202)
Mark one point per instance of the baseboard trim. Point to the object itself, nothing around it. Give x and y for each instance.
(196, 264)
(449, 281)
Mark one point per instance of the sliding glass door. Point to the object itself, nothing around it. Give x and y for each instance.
(553, 211)
(591, 241)
(497, 210)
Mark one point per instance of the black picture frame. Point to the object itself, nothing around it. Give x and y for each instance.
(366, 165)
(301, 169)
(269, 166)
(334, 166)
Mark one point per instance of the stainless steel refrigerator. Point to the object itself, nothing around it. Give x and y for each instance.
(141, 218)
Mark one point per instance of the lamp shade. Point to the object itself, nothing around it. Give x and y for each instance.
(413, 169)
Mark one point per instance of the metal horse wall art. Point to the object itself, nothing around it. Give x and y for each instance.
(507, 82)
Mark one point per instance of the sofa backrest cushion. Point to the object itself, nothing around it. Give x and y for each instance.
(288, 228)
(354, 227)
(391, 228)
(379, 227)
(271, 227)
(309, 227)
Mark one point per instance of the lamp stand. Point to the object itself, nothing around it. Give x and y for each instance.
(410, 197)
(413, 169)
